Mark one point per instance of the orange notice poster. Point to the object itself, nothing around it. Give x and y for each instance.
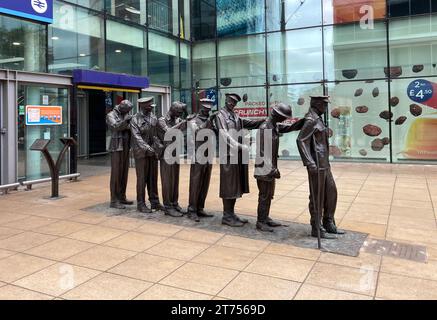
(43, 115)
(346, 11)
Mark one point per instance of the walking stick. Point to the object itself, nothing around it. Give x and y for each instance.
(318, 208)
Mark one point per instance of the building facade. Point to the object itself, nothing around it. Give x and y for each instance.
(375, 58)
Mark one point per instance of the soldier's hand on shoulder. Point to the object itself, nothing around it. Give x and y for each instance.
(128, 118)
(213, 116)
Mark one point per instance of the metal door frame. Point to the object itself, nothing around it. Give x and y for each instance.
(10, 80)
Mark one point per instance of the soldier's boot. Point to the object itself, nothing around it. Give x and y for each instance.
(143, 208)
(323, 233)
(169, 211)
(123, 200)
(178, 208)
(263, 213)
(230, 220)
(157, 206)
(202, 214)
(117, 205)
(330, 227)
(192, 215)
(273, 223)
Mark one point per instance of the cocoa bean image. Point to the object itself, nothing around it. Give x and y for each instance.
(418, 68)
(386, 141)
(301, 101)
(358, 92)
(375, 92)
(361, 109)
(371, 130)
(363, 152)
(386, 115)
(350, 74)
(394, 101)
(393, 72)
(399, 121)
(415, 110)
(377, 145)
(335, 113)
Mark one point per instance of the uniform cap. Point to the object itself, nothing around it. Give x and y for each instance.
(323, 98)
(145, 100)
(234, 96)
(206, 103)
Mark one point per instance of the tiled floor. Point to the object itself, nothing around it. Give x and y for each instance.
(52, 249)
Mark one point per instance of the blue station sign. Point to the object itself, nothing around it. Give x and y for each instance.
(38, 10)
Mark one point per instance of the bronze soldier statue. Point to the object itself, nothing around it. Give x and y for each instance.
(234, 177)
(313, 146)
(170, 171)
(145, 145)
(118, 121)
(266, 165)
(200, 173)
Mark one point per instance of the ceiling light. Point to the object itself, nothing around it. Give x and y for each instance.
(132, 10)
(118, 51)
(16, 43)
(55, 38)
(82, 55)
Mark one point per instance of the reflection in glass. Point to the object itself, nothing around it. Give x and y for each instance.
(355, 53)
(126, 49)
(359, 119)
(204, 66)
(290, 14)
(129, 10)
(163, 16)
(75, 40)
(185, 65)
(203, 19)
(163, 60)
(242, 61)
(239, 17)
(413, 45)
(295, 56)
(23, 45)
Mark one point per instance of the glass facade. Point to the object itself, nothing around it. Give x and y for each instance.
(376, 58)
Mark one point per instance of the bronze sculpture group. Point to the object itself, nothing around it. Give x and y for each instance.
(145, 134)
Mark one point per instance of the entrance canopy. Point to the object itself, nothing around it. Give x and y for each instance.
(97, 80)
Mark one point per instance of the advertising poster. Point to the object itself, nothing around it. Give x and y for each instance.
(43, 115)
(347, 11)
(416, 119)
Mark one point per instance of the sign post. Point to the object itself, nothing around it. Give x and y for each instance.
(42, 145)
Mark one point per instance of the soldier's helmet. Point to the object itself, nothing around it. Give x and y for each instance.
(283, 110)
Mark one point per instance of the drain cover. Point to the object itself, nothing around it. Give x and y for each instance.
(396, 249)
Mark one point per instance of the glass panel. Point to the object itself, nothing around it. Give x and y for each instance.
(358, 116)
(290, 14)
(347, 11)
(295, 56)
(23, 45)
(415, 121)
(126, 49)
(298, 97)
(32, 164)
(240, 17)
(75, 40)
(185, 64)
(204, 65)
(92, 4)
(242, 61)
(163, 60)
(355, 53)
(130, 10)
(413, 45)
(203, 19)
(163, 15)
(184, 8)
